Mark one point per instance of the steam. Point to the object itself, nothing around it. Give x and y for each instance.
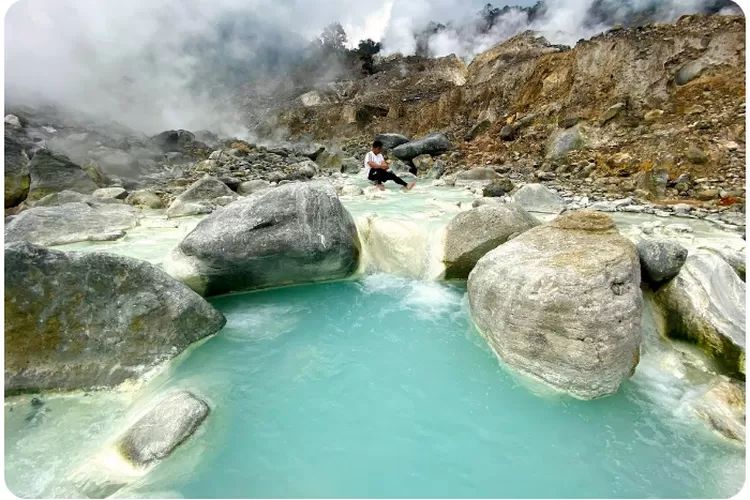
(559, 21)
(153, 65)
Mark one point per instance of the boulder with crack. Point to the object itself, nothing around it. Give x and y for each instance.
(562, 304)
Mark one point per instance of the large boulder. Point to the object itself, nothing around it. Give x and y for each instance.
(168, 424)
(202, 197)
(295, 233)
(17, 179)
(433, 144)
(52, 172)
(661, 259)
(705, 303)
(71, 222)
(172, 140)
(539, 198)
(562, 304)
(391, 141)
(471, 234)
(85, 320)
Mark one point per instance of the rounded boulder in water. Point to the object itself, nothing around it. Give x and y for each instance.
(562, 304)
(295, 233)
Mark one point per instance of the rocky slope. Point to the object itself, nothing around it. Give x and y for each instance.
(662, 96)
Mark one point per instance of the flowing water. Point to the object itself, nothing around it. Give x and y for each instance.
(379, 387)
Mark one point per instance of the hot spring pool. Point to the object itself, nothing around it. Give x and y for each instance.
(380, 387)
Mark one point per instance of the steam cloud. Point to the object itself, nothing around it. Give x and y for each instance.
(159, 64)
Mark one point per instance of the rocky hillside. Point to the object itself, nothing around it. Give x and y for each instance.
(622, 108)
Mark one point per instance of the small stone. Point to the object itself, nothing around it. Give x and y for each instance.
(612, 112)
(695, 155)
(653, 115)
(568, 122)
(508, 132)
(696, 110)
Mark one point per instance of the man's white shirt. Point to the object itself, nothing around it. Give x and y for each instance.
(372, 157)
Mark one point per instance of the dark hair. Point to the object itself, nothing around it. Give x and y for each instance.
(377, 144)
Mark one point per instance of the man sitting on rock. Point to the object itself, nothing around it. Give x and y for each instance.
(376, 169)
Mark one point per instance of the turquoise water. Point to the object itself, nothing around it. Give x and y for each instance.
(382, 388)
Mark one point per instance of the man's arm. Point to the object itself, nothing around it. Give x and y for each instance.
(372, 164)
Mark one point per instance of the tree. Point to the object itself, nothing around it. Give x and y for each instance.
(333, 38)
(366, 51)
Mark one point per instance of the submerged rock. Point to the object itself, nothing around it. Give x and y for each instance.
(71, 222)
(168, 424)
(705, 303)
(661, 259)
(471, 234)
(52, 172)
(85, 320)
(562, 303)
(202, 197)
(433, 144)
(295, 233)
(539, 198)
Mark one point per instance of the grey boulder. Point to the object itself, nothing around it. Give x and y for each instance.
(563, 141)
(705, 304)
(71, 222)
(168, 424)
(471, 234)
(53, 172)
(661, 259)
(562, 304)
(85, 320)
(202, 197)
(477, 174)
(539, 198)
(295, 233)
(433, 144)
(391, 141)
